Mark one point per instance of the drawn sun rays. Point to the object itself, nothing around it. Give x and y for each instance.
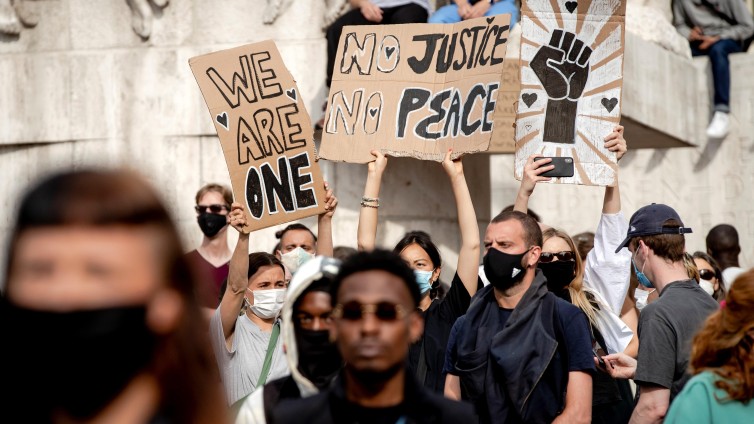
(599, 24)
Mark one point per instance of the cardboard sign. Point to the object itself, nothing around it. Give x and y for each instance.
(571, 84)
(265, 132)
(415, 90)
(504, 135)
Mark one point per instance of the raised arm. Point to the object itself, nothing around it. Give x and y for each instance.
(324, 224)
(238, 281)
(617, 144)
(531, 176)
(367, 231)
(468, 256)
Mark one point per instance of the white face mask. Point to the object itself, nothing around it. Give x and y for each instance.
(295, 258)
(707, 286)
(267, 303)
(641, 298)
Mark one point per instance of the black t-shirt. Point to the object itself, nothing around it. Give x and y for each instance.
(354, 413)
(666, 329)
(438, 320)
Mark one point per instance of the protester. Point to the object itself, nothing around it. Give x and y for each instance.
(212, 256)
(710, 275)
(245, 327)
(715, 28)
(371, 12)
(656, 240)
(313, 359)
(515, 332)
(721, 357)
(375, 299)
(427, 356)
(584, 243)
(722, 245)
(298, 244)
(460, 10)
(100, 317)
(597, 286)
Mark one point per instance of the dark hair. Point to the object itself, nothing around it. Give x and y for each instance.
(225, 191)
(529, 212)
(723, 238)
(259, 259)
(423, 240)
(719, 294)
(584, 243)
(532, 232)
(343, 252)
(295, 226)
(724, 344)
(381, 260)
(183, 363)
(667, 246)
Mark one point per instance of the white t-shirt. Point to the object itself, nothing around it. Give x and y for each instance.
(730, 274)
(241, 365)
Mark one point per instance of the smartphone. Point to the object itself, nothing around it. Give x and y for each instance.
(563, 166)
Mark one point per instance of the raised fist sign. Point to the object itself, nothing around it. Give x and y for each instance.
(563, 68)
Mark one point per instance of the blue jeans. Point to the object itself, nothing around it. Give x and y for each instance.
(449, 14)
(718, 57)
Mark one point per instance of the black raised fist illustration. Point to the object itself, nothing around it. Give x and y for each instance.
(563, 68)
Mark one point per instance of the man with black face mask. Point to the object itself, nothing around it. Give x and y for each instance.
(520, 354)
(313, 359)
(212, 257)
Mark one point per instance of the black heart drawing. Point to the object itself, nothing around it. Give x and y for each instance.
(571, 6)
(490, 19)
(609, 104)
(291, 93)
(222, 119)
(528, 128)
(529, 98)
(373, 112)
(389, 51)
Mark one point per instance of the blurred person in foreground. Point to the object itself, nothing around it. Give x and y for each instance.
(375, 318)
(100, 318)
(723, 363)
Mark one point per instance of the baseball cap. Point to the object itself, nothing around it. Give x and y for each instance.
(649, 221)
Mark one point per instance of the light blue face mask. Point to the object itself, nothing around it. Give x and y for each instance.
(422, 280)
(643, 280)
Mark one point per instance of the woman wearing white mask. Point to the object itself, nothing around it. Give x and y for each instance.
(245, 327)
(710, 275)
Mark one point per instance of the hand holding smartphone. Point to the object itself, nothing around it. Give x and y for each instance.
(563, 166)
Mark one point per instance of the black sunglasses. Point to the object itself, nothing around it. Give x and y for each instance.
(212, 208)
(354, 311)
(706, 274)
(546, 257)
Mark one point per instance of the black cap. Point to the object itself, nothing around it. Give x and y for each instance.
(649, 221)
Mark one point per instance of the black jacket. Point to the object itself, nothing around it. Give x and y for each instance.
(516, 372)
(420, 406)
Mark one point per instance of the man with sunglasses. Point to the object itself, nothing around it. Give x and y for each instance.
(212, 257)
(656, 241)
(520, 354)
(375, 319)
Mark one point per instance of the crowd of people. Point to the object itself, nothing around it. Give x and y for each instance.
(546, 329)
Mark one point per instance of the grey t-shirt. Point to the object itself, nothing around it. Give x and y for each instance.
(241, 365)
(666, 330)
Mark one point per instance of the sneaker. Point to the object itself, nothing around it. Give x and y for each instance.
(719, 126)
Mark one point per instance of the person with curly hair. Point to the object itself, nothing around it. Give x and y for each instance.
(723, 363)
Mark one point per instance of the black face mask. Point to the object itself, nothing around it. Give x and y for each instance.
(559, 274)
(502, 269)
(82, 359)
(211, 223)
(318, 358)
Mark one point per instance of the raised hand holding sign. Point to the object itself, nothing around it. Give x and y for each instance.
(563, 68)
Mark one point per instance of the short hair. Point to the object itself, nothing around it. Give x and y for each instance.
(377, 260)
(529, 212)
(225, 191)
(667, 246)
(343, 252)
(584, 243)
(532, 232)
(723, 238)
(295, 226)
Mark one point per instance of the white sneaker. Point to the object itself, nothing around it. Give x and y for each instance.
(719, 126)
